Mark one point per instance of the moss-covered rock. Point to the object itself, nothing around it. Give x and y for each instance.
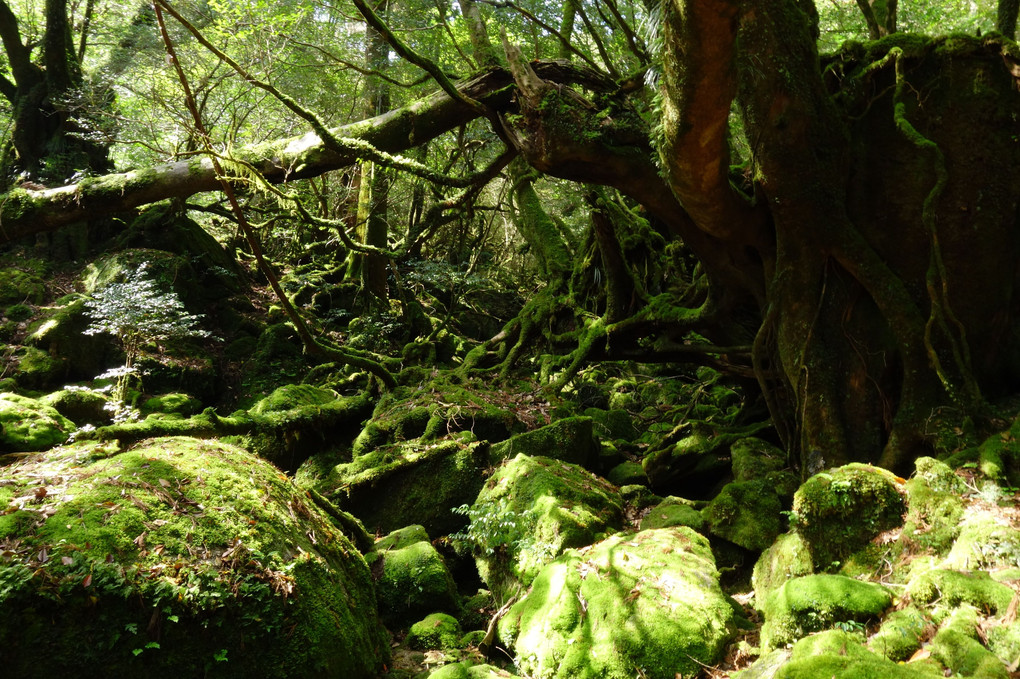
(837, 654)
(985, 542)
(59, 331)
(18, 286)
(949, 588)
(934, 506)
(411, 412)
(468, 670)
(788, 557)
(957, 648)
(627, 474)
(437, 630)
(27, 424)
(168, 559)
(900, 635)
(81, 406)
(37, 369)
(674, 511)
(411, 577)
(569, 439)
(409, 483)
(298, 420)
(752, 459)
(747, 513)
(815, 602)
(546, 506)
(184, 405)
(841, 510)
(612, 424)
(647, 604)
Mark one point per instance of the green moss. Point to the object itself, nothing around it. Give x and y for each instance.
(37, 369)
(292, 397)
(984, 543)
(814, 602)
(557, 505)
(1004, 642)
(19, 312)
(20, 287)
(28, 424)
(172, 404)
(900, 635)
(747, 513)
(948, 588)
(437, 630)
(569, 439)
(647, 605)
(59, 332)
(839, 511)
(410, 412)
(787, 557)
(81, 406)
(627, 474)
(198, 545)
(956, 647)
(413, 579)
(752, 459)
(674, 511)
(615, 423)
(839, 655)
(933, 516)
(410, 483)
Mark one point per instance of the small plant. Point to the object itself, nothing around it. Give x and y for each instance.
(494, 527)
(138, 313)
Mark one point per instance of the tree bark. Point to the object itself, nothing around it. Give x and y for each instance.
(1005, 20)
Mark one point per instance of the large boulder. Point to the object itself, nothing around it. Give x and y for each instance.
(409, 483)
(814, 602)
(645, 604)
(411, 577)
(178, 558)
(530, 511)
(841, 510)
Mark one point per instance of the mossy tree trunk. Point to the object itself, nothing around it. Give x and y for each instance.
(892, 242)
(374, 189)
(49, 143)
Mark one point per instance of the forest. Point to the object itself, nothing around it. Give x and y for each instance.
(610, 339)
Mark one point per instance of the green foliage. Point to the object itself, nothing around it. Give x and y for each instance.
(495, 526)
(138, 313)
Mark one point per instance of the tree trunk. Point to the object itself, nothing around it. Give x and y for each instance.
(1005, 20)
(373, 197)
(49, 144)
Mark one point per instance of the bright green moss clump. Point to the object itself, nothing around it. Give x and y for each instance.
(413, 579)
(437, 630)
(645, 604)
(952, 588)
(27, 424)
(175, 559)
(815, 602)
(839, 511)
(552, 505)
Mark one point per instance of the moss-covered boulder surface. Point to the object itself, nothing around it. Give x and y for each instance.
(814, 602)
(645, 604)
(177, 558)
(542, 506)
(411, 577)
(28, 425)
